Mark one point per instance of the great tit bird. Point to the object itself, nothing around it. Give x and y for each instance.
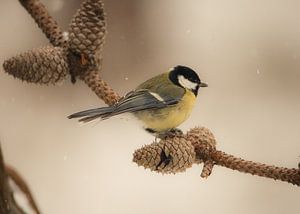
(162, 103)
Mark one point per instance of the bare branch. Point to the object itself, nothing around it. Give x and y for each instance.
(45, 21)
(199, 145)
(207, 168)
(81, 56)
(19, 181)
(100, 87)
(278, 173)
(7, 202)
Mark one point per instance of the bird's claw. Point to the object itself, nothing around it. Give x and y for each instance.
(170, 133)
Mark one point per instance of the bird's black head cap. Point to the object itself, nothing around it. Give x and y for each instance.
(187, 78)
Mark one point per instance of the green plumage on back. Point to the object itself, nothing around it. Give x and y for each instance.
(162, 85)
(162, 103)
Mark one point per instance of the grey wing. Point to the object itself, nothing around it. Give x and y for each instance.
(141, 100)
(134, 101)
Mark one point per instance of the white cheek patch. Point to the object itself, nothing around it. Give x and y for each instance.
(184, 82)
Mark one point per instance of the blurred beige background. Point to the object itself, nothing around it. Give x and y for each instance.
(248, 52)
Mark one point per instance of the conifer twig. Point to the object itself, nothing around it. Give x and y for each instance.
(199, 146)
(80, 54)
(45, 21)
(19, 181)
(277, 173)
(8, 204)
(100, 87)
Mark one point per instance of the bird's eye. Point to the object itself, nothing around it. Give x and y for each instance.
(191, 79)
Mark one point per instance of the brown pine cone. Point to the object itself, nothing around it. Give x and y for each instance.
(203, 141)
(87, 31)
(167, 156)
(44, 65)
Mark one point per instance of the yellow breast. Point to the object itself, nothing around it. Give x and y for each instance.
(164, 119)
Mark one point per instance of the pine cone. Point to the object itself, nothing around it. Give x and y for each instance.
(87, 31)
(203, 141)
(203, 135)
(168, 156)
(44, 65)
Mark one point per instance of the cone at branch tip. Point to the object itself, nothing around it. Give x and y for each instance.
(176, 154)
(87, 31)
(46, 65)
(168, 156)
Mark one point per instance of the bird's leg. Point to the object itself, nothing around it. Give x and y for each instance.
(176, 131)
(170, 133)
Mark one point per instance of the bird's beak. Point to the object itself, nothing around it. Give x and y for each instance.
(203, 84)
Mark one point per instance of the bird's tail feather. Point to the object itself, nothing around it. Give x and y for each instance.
(92, 114)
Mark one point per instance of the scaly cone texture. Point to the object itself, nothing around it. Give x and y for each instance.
(277, 173)
(168, 156)
(80, 48)
(83, 51)
(199, 145)
(181, 147)
(100, 87)
(203, 140)
(44, 65)
(45, 22)
(87, 32)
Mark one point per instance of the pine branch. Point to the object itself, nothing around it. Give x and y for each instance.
(100, 87)
(81, 56)
(8, 204)
(78, 56)
(199, 146)
(20, 182)
(45, 21)
(277, 173)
